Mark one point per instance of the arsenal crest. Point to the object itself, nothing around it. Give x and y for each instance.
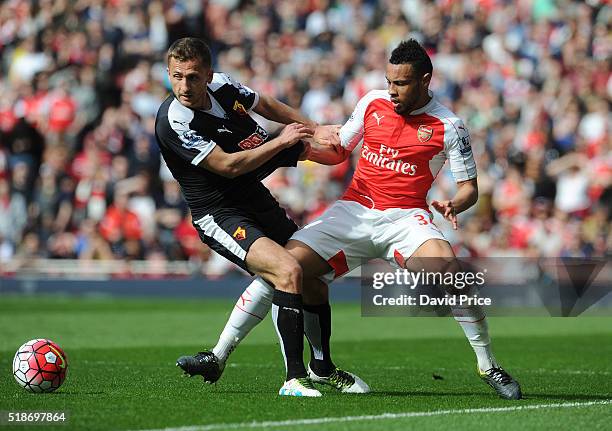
(424, 133)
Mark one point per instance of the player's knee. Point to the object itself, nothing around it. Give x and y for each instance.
(289, 275)
(441, 249)
(432, 255)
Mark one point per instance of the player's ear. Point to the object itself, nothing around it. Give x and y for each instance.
(426, 80)
(210, 76)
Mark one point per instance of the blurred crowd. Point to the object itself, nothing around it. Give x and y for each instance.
(81, 176)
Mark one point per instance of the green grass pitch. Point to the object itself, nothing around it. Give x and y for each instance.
(122, 372)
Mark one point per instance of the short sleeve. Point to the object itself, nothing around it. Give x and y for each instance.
(246, 96)
(351, 134)
(458, 149)
(176, 136)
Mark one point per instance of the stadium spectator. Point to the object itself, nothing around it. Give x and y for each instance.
(13, 213)
(121, 227)
(81, 82)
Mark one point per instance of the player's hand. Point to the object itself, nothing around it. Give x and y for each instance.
(293, 132)
(327, 135)
(447, 209)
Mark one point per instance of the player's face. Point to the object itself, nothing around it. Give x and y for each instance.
(407, 89)
(188, 80)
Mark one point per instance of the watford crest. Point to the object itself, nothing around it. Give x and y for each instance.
(240, 233)
(239, 108)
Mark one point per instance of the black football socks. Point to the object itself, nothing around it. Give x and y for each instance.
(288, 318)
(317, 325)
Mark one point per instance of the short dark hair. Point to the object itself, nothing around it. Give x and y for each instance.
(190, 48)
(410, 51)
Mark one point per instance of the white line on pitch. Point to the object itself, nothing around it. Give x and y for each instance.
(318, 421)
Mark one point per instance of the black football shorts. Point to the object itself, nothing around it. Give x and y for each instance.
(231, 231)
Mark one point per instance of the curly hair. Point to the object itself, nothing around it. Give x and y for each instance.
(411, 52)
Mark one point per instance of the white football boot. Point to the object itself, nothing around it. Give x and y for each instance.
(299, 387)
(343, 381)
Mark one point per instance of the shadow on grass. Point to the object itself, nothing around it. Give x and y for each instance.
(527, 396)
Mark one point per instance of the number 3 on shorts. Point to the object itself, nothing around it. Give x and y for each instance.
(421, 219)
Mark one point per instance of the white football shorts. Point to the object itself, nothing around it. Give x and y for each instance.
(348, 234)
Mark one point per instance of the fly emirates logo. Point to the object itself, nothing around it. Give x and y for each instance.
(386, 158)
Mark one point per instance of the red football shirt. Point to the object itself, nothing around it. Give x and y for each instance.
(402, 155)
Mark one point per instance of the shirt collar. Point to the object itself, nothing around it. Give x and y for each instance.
(426, 107)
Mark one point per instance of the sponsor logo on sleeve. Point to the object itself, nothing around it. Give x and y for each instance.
(465, 147)
(243, 91)
(191, 140)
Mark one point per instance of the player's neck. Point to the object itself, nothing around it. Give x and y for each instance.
(422, 102)
(206, 103)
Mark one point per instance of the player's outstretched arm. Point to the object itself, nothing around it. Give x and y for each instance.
(325, 146)
(232, 165)
(275, 110)
(466, 196)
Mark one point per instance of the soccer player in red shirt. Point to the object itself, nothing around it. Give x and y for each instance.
(407, 135)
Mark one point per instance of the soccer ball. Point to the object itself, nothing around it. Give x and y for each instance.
(40, 366)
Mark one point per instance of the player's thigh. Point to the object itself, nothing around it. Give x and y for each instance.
(434, 255)
(270, 260)
(275, 222)
(434, 247)
(340, 239)
(409, 236)
(229, 233)
(239, 237)
(312, 264)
